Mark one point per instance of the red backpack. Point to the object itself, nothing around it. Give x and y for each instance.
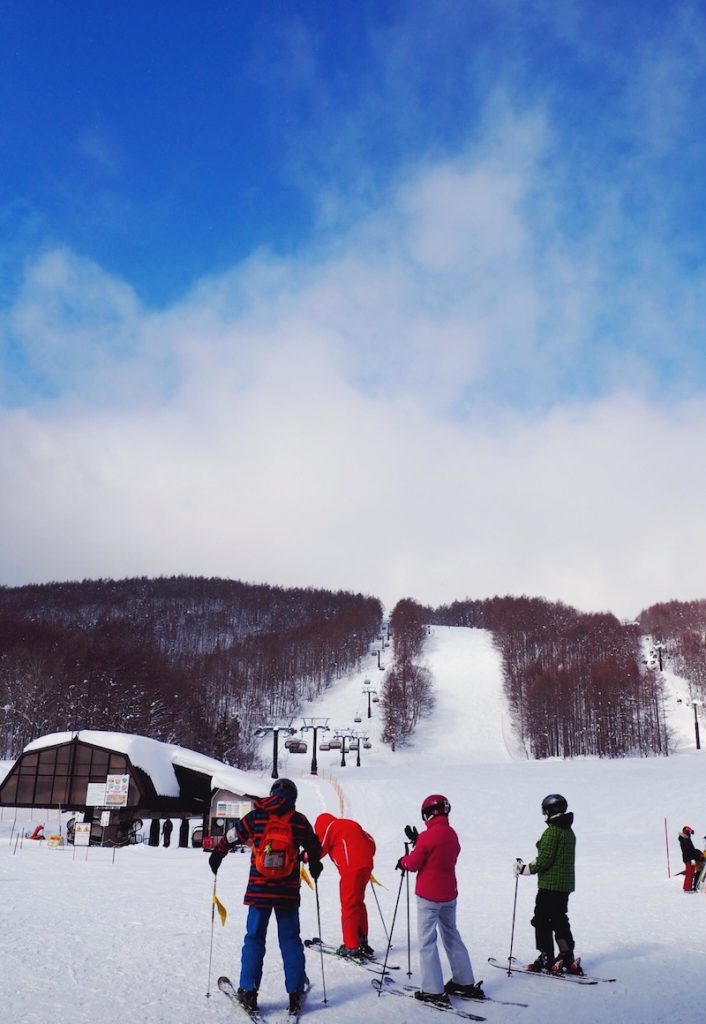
(277, 854)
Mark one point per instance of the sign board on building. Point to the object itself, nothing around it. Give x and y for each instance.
(82, 833)
(105, 818)
(95, 794)
(232, 808)
(116, 790)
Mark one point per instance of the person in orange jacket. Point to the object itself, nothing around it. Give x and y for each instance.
(352, 850)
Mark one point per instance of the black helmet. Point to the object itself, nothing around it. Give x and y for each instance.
(284, 787)
(553, 805)
(435, 804)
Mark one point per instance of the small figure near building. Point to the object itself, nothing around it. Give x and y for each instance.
(154, 832)
(167, 828)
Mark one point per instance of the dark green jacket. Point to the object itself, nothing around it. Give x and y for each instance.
(556, 849)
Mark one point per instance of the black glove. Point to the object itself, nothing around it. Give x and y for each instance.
(412, 833)
(315, 868)
(215, 861)
(399, 866)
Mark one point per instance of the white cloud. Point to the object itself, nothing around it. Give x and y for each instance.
(341, 421)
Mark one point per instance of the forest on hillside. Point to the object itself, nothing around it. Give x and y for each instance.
(202, 662)
(193, 661)
(585, 683)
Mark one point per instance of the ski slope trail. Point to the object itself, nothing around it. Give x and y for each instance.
(471, 720)
(467, 735)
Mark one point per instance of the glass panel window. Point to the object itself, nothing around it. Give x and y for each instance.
(30, 760)
(42, 794)
(78, 791)
(83, 759)
(63, 755)
(118, 765)
(25, 789)
(99, 764)
(47, 760)
(60, 793)
(9, 791)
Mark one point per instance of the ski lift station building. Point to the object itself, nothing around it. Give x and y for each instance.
(131, 777)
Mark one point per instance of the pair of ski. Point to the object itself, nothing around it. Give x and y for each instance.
(375, 966)
(257, 1016)
(516, 966)
(368, 963)
(390, 987)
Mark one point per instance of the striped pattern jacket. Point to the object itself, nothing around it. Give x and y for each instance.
(268, 892)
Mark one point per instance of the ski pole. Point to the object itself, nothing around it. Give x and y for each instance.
(321, 948)
(382, 919)
(392, 928)
(409, 940)
(512, 933)
(210, 951)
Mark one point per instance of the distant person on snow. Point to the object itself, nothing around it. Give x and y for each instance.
(691, 857)
(267, 893)
(433, 857)
(167, 828)
(352, 850)
(554, 867)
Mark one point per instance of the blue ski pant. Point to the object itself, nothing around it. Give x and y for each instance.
(442, 916)
(290, 944)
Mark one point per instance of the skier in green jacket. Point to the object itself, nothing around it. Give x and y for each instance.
(554, 867)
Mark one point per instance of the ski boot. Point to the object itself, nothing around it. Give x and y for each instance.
(572, 966)
(542, 963)
(452, 988)
(247, 998)
(435, 998)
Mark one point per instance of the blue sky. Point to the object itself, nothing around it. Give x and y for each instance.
(399, 297)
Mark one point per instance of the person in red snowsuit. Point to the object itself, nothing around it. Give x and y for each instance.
(352, 850)
(691, 856)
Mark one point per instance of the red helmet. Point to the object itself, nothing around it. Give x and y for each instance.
(435, 804)
(688, 830)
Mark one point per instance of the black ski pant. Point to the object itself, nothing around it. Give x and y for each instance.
(551, 920)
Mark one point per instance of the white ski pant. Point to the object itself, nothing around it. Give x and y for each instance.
(431, 916)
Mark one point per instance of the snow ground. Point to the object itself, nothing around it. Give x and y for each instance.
(124, 937)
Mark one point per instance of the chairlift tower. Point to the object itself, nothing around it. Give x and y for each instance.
(315, 724)
(369, 692)
(262, 730)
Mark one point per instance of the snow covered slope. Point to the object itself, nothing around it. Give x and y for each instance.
(125, 939)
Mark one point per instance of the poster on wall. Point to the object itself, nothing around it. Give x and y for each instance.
(116, 790)
(95, 794)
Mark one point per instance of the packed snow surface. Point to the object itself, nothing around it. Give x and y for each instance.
(124, 937)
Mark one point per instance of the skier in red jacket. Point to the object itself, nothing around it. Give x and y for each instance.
(434, 855)
(352, 850)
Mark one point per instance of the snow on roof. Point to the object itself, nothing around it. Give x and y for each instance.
(159, 759)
